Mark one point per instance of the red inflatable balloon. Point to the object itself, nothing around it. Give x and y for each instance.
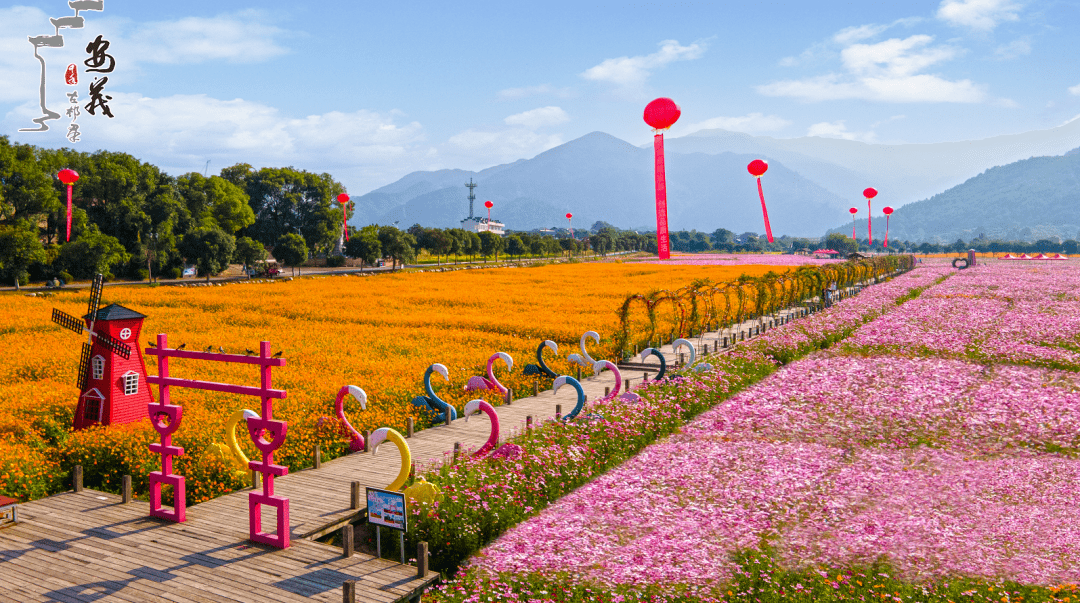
(853, 211)
(343, 199)
(68, 176)
(488, 204)
(886, 210)
(756, 168)
(870, 193)
(662, 113)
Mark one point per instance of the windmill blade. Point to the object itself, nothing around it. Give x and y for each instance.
(121, 349)
(68, 321)
(95, 297)
(84, 366)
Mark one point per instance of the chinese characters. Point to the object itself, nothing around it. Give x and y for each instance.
(99, 61)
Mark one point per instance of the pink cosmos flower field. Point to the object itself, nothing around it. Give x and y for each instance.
(938, 437)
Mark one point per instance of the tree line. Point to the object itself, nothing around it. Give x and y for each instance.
(132, 220)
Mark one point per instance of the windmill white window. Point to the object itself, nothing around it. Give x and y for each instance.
(131, 383)
(98, 367)
(125, 334)
(92, 405)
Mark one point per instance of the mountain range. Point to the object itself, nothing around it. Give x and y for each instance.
(810, 183)
(1036, 198)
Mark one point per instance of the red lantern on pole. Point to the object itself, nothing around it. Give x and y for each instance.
(853, 210)
(888, 212)
(869, 193)
(489, 205)
(569, 224)
(343, 199)
(757, 168)
(69, 177)
(661, 114)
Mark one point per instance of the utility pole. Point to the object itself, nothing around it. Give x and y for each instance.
(472, 196)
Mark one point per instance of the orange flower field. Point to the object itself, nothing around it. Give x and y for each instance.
(379, 333)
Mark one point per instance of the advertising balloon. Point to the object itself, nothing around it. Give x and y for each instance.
(343, 199)
(888, 212)
(869, 193)
(757, 168)
(69, 177)
(661, 114)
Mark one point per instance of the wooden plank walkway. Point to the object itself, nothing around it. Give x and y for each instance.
(89, 546)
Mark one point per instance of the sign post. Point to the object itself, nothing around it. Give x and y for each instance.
(386, 508)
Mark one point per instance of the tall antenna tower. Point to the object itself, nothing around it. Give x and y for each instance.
(472, 196)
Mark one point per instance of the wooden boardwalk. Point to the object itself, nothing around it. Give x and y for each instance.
(89, 546)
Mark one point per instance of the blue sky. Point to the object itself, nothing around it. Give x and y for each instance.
(372, 91)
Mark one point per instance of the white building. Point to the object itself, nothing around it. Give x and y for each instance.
(479, 225)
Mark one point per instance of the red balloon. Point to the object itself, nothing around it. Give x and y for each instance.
(568, 216)
(662, 113)
(343, 198)
(870, 193)
(488, 204)
(853, 210)
(886, 210)
(757, 167)
(68, 176)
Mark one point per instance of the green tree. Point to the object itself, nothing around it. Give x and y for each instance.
(287, 200)
(249, 251)
(364, 245)
(490, 244)
(397, 245)
(442, 242)
(291, 250)
(214, 201)
(603, 242)
(842, 243)
(210, 248)
(92, 253)
(19, 248)
(515, 246)
(26, 189)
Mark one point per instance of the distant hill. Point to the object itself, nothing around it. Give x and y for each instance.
(1028, 200)
(902, 173)
(599, 177)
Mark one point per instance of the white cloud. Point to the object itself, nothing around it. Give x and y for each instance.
(179, 133)
(1013, 49)
(750, 123)
(537, 118)
(527, 91)
(631, 72)
(243, 37)
(857, 33)
(487, 148)
(885, 71)
(1075, 90)
(837, 129)
(981, 15)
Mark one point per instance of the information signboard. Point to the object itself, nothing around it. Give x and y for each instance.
(386, 509)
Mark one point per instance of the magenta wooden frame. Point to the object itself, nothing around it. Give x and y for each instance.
(258, 429)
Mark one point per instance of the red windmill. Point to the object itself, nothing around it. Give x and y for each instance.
(112, 381)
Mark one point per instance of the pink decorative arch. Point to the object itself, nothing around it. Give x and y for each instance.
(267, 434)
